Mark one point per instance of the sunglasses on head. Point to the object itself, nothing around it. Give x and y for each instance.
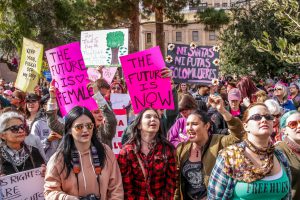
(258, 117)
(293, 124)
(15, 128)
(79, 127)
(31, 101)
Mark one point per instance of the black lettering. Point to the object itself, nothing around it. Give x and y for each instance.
(141, 62)
(132, 61)
(148, 59)
(260, 188)
(143, 87)
(66, 54)
(138, 102)
(167, 100)
(150, 100)
(64, 83)
(71, 81)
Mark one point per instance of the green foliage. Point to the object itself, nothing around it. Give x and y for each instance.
(115, 39)
(51, 22)
(240, 56)
(213, 19)
(287, 47)
(171, 9)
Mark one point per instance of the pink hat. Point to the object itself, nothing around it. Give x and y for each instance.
(234, 94)
(8, 92)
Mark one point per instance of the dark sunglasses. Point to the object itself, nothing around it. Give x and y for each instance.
(116, 88)
(278, 89)
(277, 116)
(79, 127)
(15, 128)
(293, 124)
(271, 90)
(258, 117)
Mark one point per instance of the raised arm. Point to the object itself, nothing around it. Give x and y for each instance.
(51, 112)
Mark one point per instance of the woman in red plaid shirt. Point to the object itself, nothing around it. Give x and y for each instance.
(147, 161)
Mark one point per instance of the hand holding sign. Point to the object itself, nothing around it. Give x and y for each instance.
(70, 73)
(166, 73)
(144, 78)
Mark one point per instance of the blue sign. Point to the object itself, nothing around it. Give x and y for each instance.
(48, 76)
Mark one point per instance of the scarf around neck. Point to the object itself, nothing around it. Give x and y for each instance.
(238, 166)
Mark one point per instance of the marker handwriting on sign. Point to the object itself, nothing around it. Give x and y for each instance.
(195, 65)
(143, 77)
(70, 74)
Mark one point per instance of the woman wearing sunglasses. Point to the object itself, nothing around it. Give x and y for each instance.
(281, 96)
(106, 121)
(290, 124)
(15, 155)
(82, 167)
(252, 169)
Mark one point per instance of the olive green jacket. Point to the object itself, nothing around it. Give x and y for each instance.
(215, 143)
(294, 162)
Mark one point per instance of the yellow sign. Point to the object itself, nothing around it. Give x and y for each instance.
(30, 66)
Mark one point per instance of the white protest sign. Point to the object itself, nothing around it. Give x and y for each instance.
(26, 185)
(103, 47)
(119, 101)
(121, 126)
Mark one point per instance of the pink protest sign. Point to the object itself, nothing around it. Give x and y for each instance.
(93, 74)
(70, 74)
(146, 86)
(109, 73)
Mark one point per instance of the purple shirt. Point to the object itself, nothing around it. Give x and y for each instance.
(177, 132)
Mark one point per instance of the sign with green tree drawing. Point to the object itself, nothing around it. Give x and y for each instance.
(103, 47)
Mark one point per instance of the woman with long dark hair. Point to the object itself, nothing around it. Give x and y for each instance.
(82, 166)
(147, 161)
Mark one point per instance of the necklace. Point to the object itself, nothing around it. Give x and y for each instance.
(150, 144)
(197, 150)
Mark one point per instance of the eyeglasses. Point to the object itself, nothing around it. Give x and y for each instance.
(278, 89)
(258, 117)
(79, 127)
(293, 124)
(15, 128)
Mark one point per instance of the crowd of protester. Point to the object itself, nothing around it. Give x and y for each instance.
(232, 139)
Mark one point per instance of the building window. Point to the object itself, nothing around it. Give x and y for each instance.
(224, 5)
(178, 36)
(148, 38)
(212, 35)
(195, 36)
(217, 5)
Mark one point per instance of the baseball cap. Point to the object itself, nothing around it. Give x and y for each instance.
(234, 94)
